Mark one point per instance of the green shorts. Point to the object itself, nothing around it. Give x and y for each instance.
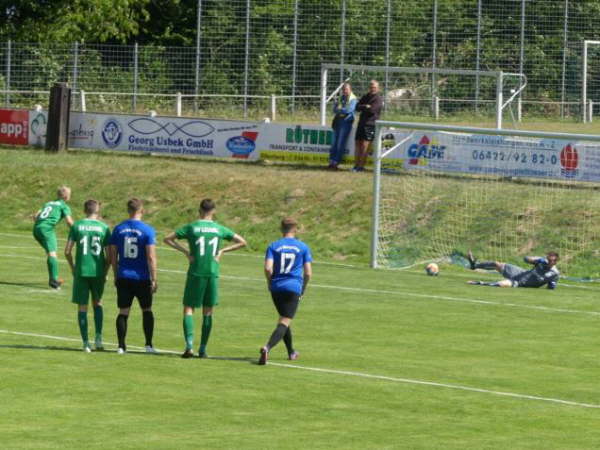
(46, 238)
(82, 286)
(201, 291)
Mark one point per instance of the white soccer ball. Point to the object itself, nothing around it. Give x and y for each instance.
(432, 269)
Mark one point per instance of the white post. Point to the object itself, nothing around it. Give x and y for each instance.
(273, 107)
(436, 107)
(82, 100)
(178, 107)
(584, 81)
(519, 109)
(323, 96)
(376, 188)
(590, 111)
(499, 101)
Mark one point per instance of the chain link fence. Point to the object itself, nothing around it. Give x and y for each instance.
(254, 57)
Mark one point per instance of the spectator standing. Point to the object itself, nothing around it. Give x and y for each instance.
(342, 125)
(369, 106)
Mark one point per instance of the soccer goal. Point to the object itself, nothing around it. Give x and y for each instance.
(421, 91)
(441, 190)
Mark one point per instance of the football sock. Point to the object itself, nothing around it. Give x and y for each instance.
(488, 265)
(206, 327)
(277, 335)
(98, 320)
(121, 330)
(287, 339)
(83, 325)
(52, 263)
(188, 331)
(148, 322)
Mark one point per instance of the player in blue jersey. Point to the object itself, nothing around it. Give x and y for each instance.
(544, 272)
(133, 257)
(288, 270)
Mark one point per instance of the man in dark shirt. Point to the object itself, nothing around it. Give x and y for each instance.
(369, 106)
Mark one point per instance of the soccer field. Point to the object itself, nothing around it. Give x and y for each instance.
(389, 359)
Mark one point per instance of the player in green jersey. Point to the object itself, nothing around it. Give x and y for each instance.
(91, 238)
(43, 230)
(204, 238)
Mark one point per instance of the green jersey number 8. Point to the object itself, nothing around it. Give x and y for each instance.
(46, 212)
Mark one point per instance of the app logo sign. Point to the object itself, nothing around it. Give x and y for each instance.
(242, 146)
(112, 133)
(569, 161)
(424, 150)
(14, 127)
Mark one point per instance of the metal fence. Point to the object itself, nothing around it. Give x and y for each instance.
(251, 54)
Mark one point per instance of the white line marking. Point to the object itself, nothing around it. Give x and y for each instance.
(359, 375)
(386, 292)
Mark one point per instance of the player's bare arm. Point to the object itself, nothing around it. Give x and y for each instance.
(152, 264)
(171, 241)
(69, 221)
(307, 276)
(268, 272)
(239, 242)
(69, 254)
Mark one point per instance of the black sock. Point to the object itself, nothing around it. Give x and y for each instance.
(277, 335)
(121, 330)
(287, 338)
(489, 265)
(148, 321)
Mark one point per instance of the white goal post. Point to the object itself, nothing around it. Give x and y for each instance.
(586, 106)
(439, 190)
(499, 76)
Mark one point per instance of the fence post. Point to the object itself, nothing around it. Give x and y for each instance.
(342, 40)
(522, 49)
(590, 113)
(273, 107)
(197, 73)
(388, 27)
(75, 64)
(478, 57)
(499, 100)
(295, 56)
(519, 109)
(434, 52)
(564, 59)
(8, 63)
(246, 59)
(82, 100)
(436, 109)
(135, 77)
(178, 104)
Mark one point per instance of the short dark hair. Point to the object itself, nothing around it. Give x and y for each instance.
(134, 205)
(91, 207)
(207, 205)
(288, 224)
(553, 254)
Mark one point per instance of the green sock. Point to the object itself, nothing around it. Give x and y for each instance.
(206, 327)
(83, 326)
(188, 331)
(98, 319)
(52, 263)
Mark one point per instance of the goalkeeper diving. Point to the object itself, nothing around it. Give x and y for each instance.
(544, 272)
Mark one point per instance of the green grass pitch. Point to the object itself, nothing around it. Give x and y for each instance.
(389, 359)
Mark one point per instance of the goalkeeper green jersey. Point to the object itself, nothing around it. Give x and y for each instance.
(52, 213)
(91, 237)
(204, 239)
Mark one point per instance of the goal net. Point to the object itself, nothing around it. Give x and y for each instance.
(417, 91)
(442, 190)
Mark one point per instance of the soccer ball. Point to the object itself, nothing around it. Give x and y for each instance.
(432, 269)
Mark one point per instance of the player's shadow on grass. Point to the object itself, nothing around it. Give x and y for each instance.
(41, 347)
(23, 284)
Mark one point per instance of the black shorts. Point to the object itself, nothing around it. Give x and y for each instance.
(128, 289)
(286, 303)
(364, 133)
